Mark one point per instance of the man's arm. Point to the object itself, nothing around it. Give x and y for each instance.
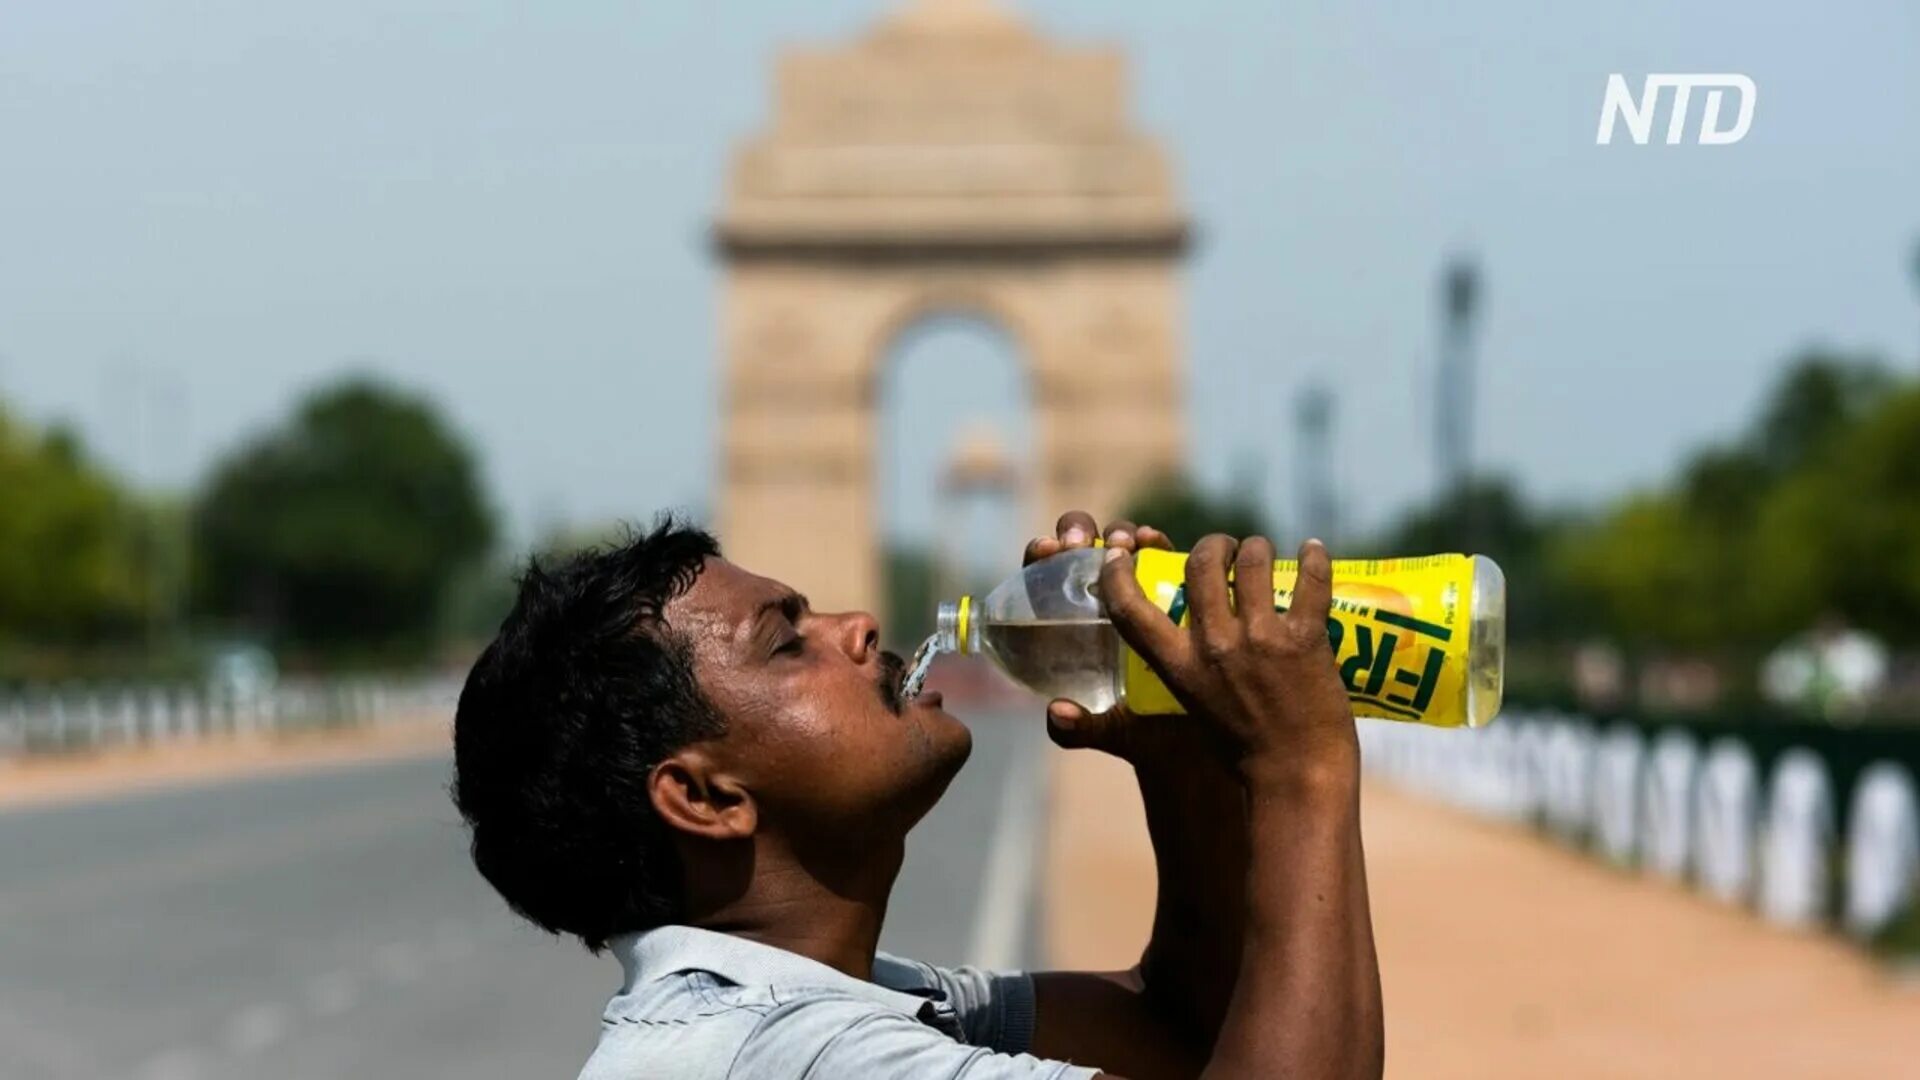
(1196, 820)
(1307, 1000)
(1160, 1018)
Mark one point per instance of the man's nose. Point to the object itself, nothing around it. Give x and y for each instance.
(859, 635)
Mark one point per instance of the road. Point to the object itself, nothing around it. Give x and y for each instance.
(329, 924)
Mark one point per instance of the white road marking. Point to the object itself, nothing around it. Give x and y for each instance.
(1006, 888)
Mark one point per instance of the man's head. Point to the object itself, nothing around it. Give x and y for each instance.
(651, 721)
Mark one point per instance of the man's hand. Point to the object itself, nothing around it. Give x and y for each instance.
(1265, 680)
(1117, 732)
(1306, 997)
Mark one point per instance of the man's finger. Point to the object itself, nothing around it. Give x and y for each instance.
(1144, 627)
(1253, 579)
(1149, 537)
(1039, 548)
(1121, 534)
(1070, 726)
(1076, 528)
(1207, 582)
(1313, 586)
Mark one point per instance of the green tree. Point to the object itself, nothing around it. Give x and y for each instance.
(1821, 396)
(1488, 516)
(1646, 570)
(1843, 536)
(1185, 512)
(1757, 538)
(342, 530)
(71, 567)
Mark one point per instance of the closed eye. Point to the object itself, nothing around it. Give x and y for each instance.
(792, 646)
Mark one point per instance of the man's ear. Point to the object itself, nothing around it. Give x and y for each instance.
(693, 795)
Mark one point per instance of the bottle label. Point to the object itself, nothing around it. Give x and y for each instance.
(1399, 629)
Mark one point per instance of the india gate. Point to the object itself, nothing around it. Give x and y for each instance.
(950, 161)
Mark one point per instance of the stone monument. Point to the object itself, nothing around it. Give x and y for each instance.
(950, 161)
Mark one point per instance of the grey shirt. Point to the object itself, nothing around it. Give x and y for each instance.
(697, 1005)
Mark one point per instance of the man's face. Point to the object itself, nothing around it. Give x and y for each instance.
(816, 728)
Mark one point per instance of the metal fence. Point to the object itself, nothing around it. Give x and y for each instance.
(56, 719)
(1776, 832)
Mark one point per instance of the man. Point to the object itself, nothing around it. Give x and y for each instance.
(682, 763)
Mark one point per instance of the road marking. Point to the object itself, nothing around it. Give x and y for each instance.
(999, 923)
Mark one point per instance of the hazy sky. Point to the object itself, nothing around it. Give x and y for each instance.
(206, 207)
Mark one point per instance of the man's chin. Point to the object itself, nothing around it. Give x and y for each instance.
(948, 742)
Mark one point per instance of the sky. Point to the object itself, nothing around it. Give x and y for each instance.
(207, 208)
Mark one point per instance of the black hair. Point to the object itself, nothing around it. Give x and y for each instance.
(582, 692)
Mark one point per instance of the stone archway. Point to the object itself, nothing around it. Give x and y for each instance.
(949, 161)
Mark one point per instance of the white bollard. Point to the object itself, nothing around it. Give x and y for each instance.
(1570, 779)
(1616, 795)
(1883, 848)
(1530, 771)
(1797, 841)
(1725, 817)
(1666, 805)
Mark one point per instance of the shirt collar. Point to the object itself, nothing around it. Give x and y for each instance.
(665, 950)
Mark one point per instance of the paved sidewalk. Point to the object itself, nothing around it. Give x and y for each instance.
(1505, 956)
(58, 778)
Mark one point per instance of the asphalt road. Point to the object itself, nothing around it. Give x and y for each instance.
(329, 924)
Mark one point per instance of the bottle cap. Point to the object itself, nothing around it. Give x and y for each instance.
(952, 625)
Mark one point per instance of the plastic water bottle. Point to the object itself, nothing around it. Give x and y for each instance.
(1420, 639)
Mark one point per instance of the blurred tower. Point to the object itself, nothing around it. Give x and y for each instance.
(1313, 462)
(1454, 395)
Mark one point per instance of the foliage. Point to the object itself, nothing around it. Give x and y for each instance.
(1843, 535)
(1815, 510)
(1488, 516)
(1185, 512)
(345, 527)
(71, 559)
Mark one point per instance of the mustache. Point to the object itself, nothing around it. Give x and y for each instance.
(893, 675)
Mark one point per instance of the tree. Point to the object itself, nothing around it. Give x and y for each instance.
(71, 569)
(1649, 572)
(1843, 536)
(1807, 513)
(1821, 396)
(1484, 514)
(343, 529)
(1185, 512)
(1488, 516)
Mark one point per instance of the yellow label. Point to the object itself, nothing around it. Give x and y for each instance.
(1399, 629)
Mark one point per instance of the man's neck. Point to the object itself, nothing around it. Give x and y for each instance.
(789, 908)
